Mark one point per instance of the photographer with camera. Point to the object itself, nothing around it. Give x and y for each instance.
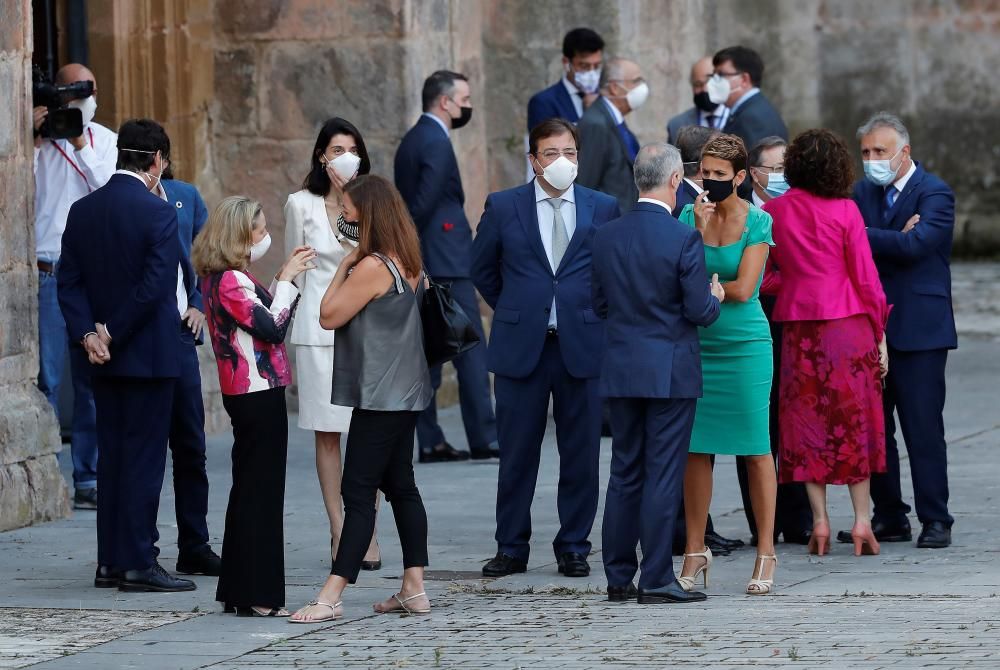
(65, 171)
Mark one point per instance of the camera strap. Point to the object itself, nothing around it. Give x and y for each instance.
(72, 162)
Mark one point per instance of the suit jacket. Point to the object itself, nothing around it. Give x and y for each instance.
(685, 195)
(118, 266)
(754, 120)
(426, 174)
(688, 117)
(915, 267)
(513, 274)
(191, 217)
(605, 165)
(553, 101)
(650, 283)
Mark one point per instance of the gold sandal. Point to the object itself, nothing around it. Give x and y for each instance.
(403, 609)
(758, 586)
(332, 607)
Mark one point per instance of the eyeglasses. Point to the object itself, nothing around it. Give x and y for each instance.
(727, 74)
(552, 154)
(768, 169)
(636, 81)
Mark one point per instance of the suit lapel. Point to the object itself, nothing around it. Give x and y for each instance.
(527, 212)
(897, 207)
(566, 102)
(610, 119)
(584, 220)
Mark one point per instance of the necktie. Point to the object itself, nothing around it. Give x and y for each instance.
(560, 240)
(890, 200)
(631, 143)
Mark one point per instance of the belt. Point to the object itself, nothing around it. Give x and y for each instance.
(46, 266)
(552, 332)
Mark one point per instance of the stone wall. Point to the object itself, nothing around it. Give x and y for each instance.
(31, 488)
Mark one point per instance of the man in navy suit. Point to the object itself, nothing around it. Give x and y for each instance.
(690, 141)
(427, 176)
(650, 283)
(583, 53)
(531, 263)
(122, 292)
(705, 113)
(910, 216)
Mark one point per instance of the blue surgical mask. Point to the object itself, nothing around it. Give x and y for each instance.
(880, 172)
(776, 184)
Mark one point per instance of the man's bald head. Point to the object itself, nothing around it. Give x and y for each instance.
(701, 71)
(74, 72)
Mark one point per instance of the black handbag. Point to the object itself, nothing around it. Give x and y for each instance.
(448, 332)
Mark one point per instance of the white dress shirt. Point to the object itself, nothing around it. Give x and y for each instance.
(574, 95)
(63, 175)
(546, 217)
(757, 200)
(654, 201)
(698, 189)
(182, 296)
(616, 113)
(721, 113)
(900, 183)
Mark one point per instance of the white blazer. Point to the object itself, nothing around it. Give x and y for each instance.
(306, 222)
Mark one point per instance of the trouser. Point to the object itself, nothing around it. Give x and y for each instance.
(133, 423)
(473, 384)
(380, 458)
(915, 391)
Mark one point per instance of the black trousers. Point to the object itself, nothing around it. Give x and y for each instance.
(380, 457)
(253, 563)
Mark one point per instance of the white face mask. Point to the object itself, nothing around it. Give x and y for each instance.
(718, 89)
(587, 81)
(258, 249)
(345, 165)
(87, 107)
(560, 173)
(154, 188)
(637, 96)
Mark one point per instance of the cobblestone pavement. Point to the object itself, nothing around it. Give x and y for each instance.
(904, 608)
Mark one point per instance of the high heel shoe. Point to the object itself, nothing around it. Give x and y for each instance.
(376, 564)
(758, 586)
(687, 583)
(865, 543)
(819, 542)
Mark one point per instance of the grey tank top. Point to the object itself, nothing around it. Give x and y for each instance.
(379, 361)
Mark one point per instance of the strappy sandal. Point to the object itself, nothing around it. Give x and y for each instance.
(403, 609)
(332, 607)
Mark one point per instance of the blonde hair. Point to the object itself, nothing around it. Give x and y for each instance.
(224, 242)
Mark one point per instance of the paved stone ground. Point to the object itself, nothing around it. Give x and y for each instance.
(904, 608)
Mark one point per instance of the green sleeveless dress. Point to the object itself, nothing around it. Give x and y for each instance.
(732, 415)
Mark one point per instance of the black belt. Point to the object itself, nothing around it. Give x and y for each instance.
(552, 332)
(46, 266)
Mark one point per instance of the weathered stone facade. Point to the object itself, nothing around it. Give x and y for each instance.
(31, 487)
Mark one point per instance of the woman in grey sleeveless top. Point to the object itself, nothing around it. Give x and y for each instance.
(379, 370)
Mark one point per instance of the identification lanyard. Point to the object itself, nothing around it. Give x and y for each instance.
(72, 162)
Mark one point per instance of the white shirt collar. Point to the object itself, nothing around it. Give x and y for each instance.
(746, 96)
(654, 201)
(901, 183)
(569, 195)
(694, 185)
(162, 194)
(615, 112)
(439, 122)
(757, 199)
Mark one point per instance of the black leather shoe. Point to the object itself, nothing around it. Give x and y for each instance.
(797, 536)
(106, 577)
(503, 564)
(85, 498)
(202, 561)
(934, 535)
(443, 453)
(492, 451)
(620, 594)
(153, 579)
(725, 542)
(671, 593)
(718, 548)
(573, 564)
(883, 532)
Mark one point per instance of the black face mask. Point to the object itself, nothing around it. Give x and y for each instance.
(462, 119)
(718, 190)
(702, 102)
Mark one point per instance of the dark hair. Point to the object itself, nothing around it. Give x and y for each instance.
(317, 181)
(138, 142)
(819, 162)
(756, 154)
(744, 59)
(581, 41)
(440, 83)
(690, 141)
(164, 148)
(384, 223)
(551, 128)
(727, 148)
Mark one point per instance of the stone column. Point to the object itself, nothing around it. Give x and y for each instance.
(31, 487)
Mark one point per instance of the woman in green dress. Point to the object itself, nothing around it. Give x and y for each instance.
(732, 416)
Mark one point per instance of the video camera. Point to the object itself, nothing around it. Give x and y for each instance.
(63, 122)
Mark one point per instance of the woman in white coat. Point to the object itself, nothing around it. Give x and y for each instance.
(314, 217)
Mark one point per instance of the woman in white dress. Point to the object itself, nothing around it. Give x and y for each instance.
(314, 217)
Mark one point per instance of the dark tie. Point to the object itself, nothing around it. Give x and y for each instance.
(631, 143)
(890, 200)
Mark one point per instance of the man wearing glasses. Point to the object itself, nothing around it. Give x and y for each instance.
(738, 72)
(609, 146)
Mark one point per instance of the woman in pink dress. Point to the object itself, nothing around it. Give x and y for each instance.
(833, 353)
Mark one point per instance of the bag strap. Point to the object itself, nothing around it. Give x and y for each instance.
(397, 278)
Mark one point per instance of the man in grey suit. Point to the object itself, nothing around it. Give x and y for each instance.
(705, 113)
(607, 146)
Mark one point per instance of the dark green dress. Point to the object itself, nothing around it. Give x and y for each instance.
(732, 416)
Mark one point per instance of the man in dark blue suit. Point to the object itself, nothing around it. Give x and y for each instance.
(531, 263)
(690, 141)
(122, 293)
(910, 216)
(583, 53)
(427, 175)
(650, 283)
